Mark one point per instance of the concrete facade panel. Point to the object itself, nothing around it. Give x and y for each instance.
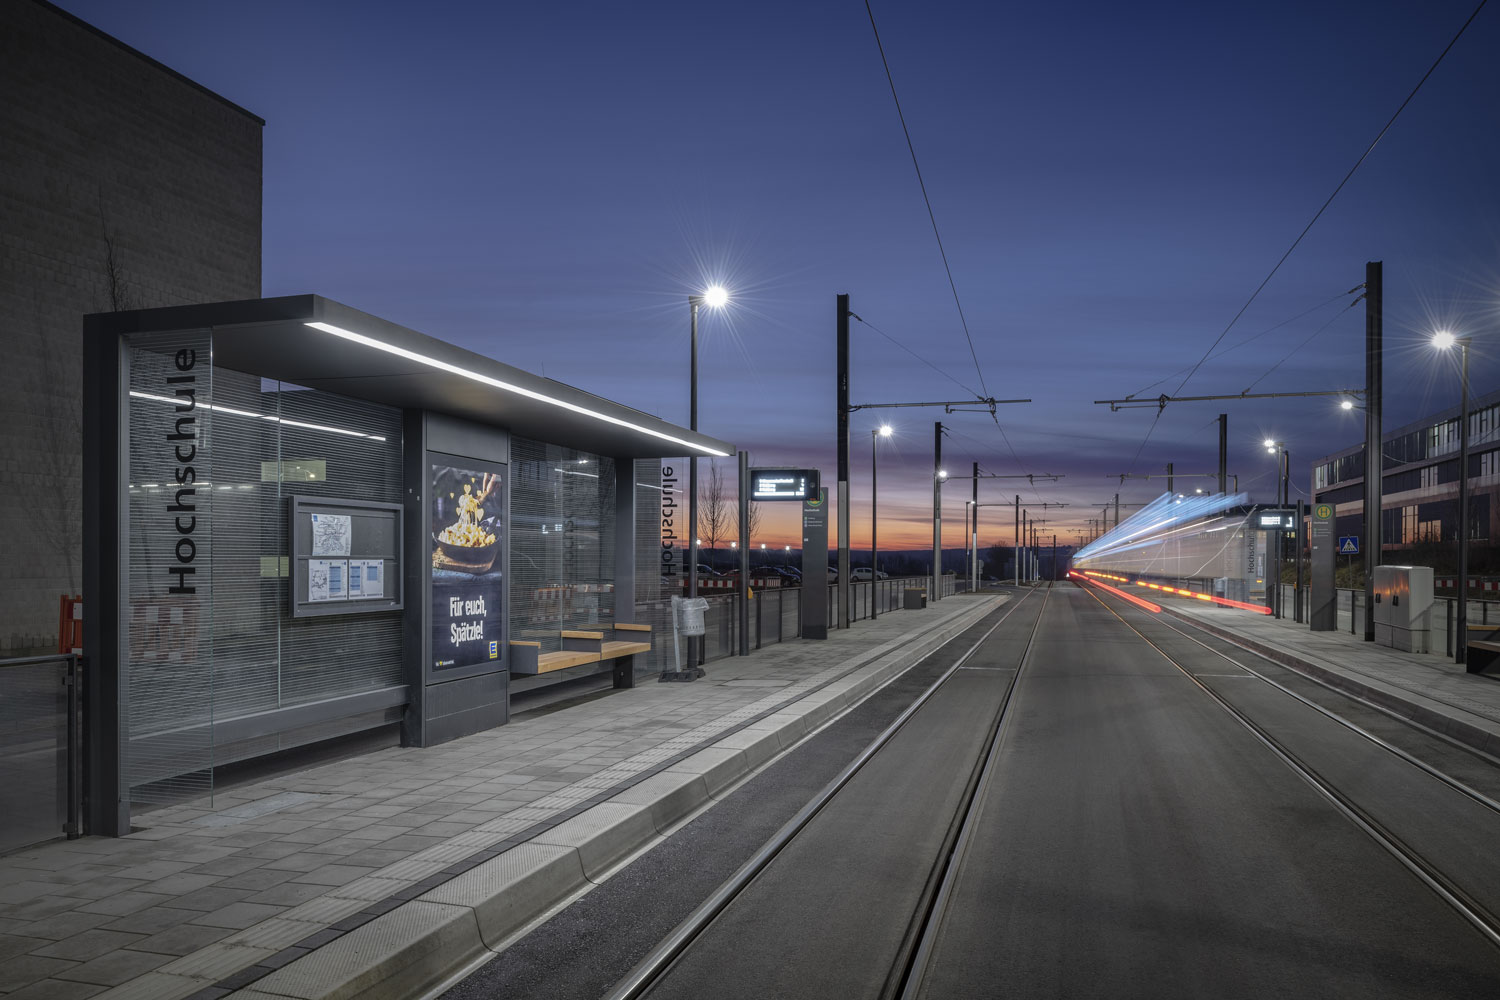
(123, 185)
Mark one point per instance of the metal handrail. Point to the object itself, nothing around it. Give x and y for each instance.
(73, 680)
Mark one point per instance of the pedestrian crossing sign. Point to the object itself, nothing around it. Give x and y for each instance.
(1348, 545)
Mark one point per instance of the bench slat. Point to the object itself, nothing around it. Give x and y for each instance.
(615, 649)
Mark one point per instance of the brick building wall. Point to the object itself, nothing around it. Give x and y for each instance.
(123, 185)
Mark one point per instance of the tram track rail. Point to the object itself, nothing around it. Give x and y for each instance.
(658, 963)
(1482, 918)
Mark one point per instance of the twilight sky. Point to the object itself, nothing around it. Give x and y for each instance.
(546, 183)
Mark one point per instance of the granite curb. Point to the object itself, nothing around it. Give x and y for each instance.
(1443, 719)
(417, 944)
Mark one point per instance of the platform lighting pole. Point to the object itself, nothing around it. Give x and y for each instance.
(715, 298)
(974, 535)
(1016, 555)
(1169, 477)
(1025, 544)
(743, 598)
(1374, 467)
(875, 436)
(1278, 448)
(1444, 340)
(938, 475)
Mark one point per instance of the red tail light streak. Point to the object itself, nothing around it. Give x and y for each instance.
(1210, 598)
(1155, 609)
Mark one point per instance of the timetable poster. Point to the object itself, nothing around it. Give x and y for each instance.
(468, 560)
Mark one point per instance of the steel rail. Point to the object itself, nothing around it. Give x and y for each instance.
(1485, 922)
(1419, 764)
(932, 920)
(655, 964)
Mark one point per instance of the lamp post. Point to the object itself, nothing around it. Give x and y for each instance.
(1444, 340)
(875, 436)
(715, 297)
(938, 475)
(1272, 448)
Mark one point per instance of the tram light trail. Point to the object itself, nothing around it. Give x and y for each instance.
(1153, 608)
(1223, 601)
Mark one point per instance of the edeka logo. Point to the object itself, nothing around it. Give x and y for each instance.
(183, 442)
(668, 520)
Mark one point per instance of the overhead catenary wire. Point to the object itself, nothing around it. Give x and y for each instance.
(1305, 341)
(1248, 340)
(1316, 216)
(913, 353)
(932, 216)
(1329, 201)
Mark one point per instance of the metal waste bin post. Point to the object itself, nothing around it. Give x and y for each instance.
(687, 620)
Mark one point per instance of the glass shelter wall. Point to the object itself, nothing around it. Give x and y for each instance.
(214, 659)
(562, 536)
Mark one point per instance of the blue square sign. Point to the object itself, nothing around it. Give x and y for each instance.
(1348, 545)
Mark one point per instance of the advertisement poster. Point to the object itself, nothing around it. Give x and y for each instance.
(468, 561)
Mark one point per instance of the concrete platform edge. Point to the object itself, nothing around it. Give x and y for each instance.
(424, 941)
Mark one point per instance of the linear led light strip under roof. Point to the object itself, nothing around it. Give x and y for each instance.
(402, 352)
(261, 416)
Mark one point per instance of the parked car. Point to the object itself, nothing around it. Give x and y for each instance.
(863, 573)
(706, 570)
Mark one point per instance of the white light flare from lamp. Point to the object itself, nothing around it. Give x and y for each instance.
(716, 297)
(1443, 340)
(886, 430)
(423, 359)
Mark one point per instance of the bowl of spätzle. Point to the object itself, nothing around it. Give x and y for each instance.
(473, 538)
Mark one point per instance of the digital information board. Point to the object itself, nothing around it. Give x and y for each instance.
(783, 484)
(1276, 520)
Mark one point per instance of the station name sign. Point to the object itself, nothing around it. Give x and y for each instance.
(783, 484)
(1276, 520)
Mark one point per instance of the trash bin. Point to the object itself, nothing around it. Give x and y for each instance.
(913, 599)
(690, 612)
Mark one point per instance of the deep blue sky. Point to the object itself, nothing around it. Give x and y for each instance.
(546, 183)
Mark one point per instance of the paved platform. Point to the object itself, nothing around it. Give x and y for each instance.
(384, 874)
(1425, 688)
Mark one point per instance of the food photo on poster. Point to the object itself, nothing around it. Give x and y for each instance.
(468, 561)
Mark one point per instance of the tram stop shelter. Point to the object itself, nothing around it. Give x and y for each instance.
(304, 522)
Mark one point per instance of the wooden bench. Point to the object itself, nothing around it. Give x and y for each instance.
(581, 648)
(1482, 650)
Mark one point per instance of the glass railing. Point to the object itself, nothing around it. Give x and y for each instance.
(41, 750)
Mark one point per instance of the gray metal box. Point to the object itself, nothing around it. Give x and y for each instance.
(1403, 606)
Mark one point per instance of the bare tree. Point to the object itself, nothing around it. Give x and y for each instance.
(714, 519)
(753, 522)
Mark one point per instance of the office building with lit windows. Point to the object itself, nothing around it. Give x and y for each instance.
(1419, 505)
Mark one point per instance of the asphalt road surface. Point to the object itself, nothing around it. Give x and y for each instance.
(1134, 837)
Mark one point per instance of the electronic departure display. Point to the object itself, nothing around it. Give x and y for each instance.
(1276, 520)
(783, 484)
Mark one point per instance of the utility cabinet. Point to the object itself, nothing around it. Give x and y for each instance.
(1403, 607)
